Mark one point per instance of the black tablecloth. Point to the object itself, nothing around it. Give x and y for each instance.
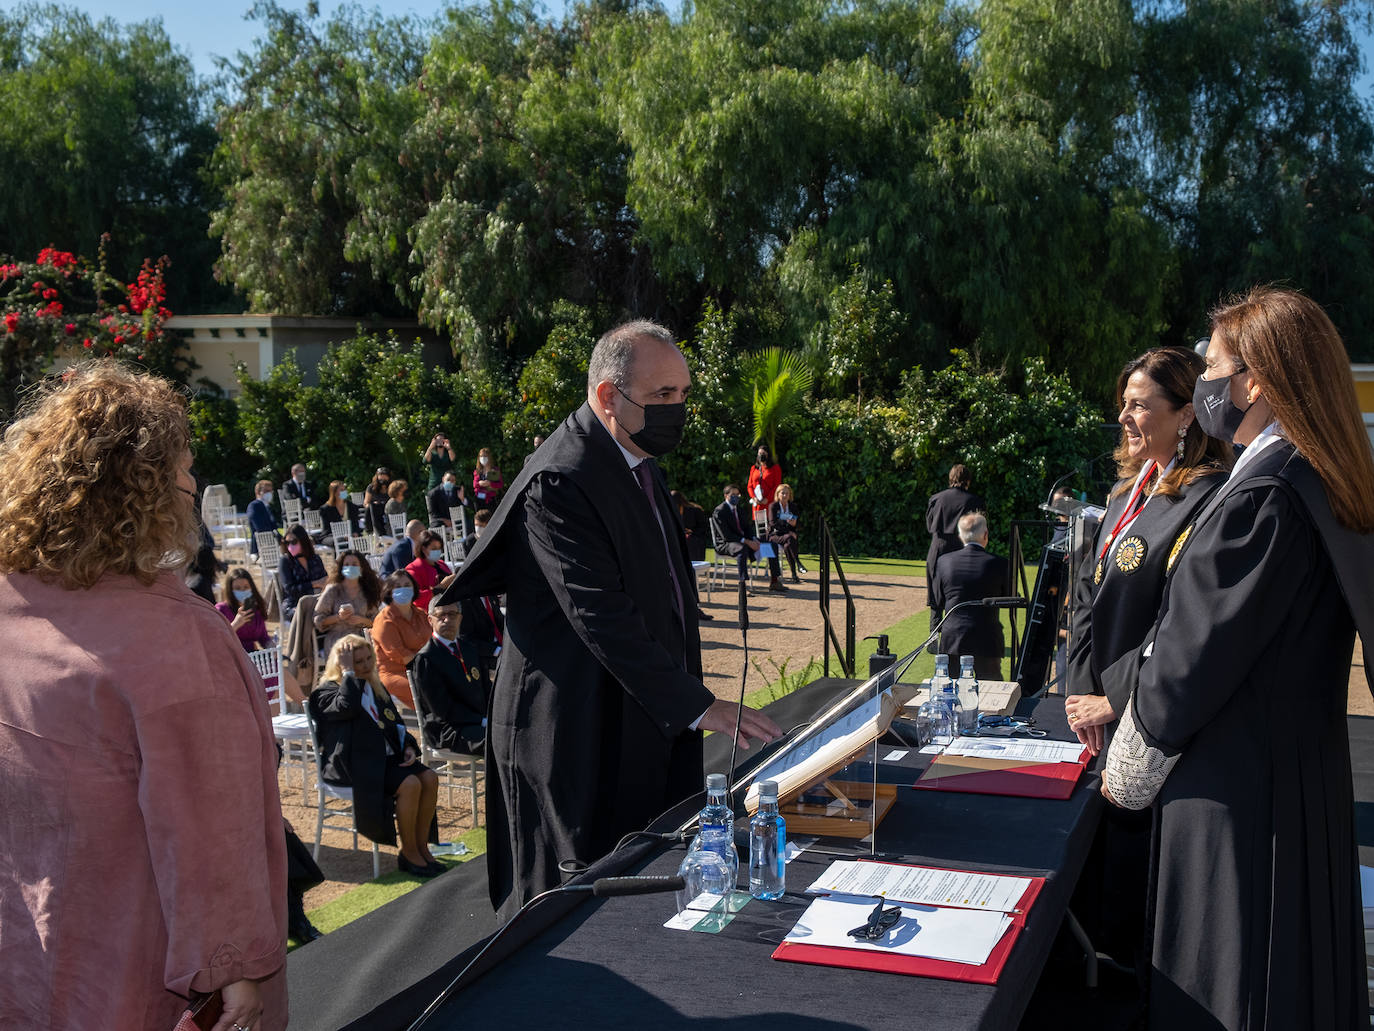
(611, 963)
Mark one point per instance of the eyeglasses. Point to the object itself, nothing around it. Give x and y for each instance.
(879, 922)
(1004, 726)
(991, 720)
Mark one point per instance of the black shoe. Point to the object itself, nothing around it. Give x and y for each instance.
(796, 579)
(777, 585)
(703, 614)
(406, 866)
(304, 931)
(436, 868)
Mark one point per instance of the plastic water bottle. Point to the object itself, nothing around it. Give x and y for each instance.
(717, 825)
(767, 845)
(967, 690)
(704, 872)
(942, 726)
(966, 687)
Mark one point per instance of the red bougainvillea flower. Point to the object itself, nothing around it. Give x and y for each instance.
(70, 329)
(57, 259)
(49, 294)
(86, 343)
(11, 323)
(119, 340)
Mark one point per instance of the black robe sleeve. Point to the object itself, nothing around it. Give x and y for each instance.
(1229, 595)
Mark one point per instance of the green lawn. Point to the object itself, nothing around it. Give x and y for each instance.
(863, 565)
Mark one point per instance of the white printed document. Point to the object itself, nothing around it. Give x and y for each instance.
(923, 885)
(1038, 750)
(956, 935)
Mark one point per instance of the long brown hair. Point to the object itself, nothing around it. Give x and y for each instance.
(1174, 371)
(367, 578)
(1290, 346)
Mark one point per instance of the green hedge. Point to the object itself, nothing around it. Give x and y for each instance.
(869, 469)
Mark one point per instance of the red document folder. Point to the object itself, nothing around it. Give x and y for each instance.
(892, 963)
(1014, 777)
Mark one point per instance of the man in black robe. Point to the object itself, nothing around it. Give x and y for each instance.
(943, 510)
(598, 706)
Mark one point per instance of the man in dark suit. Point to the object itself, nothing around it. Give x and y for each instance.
(736, 526)
(403, 552)
(971, 574)
(298, 488)
(598, 706)
(942, 521)
(484, 628)
(261, 518)
(449, 494)
(451, 684)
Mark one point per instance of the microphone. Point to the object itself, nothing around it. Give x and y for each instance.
(614, 887)
(743, 676)
(1003, 603)
(1049, 498)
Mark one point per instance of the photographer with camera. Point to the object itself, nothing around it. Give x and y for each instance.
(439, 458)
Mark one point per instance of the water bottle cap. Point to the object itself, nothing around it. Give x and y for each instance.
(942, 661)
(715, 782)
(768, 791)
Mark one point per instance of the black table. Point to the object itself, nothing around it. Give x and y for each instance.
(610, 963)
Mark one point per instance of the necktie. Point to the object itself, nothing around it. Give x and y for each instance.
(491, 615)
(646, 484)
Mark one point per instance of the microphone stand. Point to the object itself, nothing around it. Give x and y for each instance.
(744, 674)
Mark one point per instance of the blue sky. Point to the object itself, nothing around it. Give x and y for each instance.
(207, 30)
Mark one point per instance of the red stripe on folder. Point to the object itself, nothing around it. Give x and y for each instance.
(1028, 780)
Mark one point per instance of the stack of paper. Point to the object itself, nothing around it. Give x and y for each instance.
(950, 915)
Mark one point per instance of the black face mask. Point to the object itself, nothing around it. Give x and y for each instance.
(1216, 413)
(663, 426)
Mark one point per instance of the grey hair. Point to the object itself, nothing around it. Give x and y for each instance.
(613, 357)
(972, 525)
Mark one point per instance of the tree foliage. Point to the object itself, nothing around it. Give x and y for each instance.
(104, 129)
(878, 182)
(313, 133)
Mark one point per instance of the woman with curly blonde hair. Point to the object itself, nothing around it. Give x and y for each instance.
(131, 725)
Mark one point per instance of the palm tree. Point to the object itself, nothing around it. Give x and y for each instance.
(781, 379)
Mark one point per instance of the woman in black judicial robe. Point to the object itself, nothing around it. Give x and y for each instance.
(1235, 727)
(1167, 468)
(1117, 595)
(364, 745)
